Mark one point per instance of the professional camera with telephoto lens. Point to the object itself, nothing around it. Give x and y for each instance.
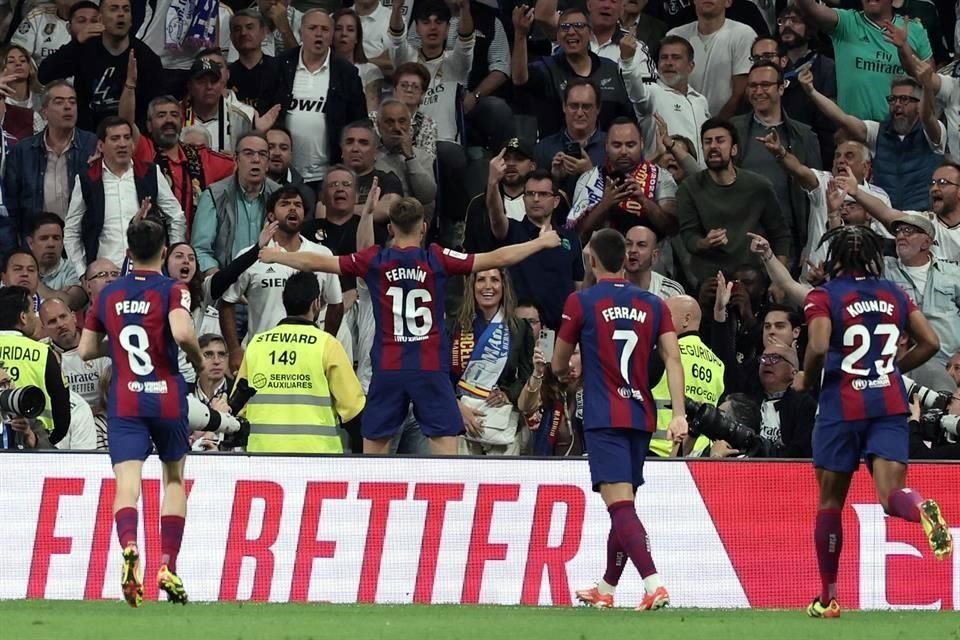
(706, 420)
(25, 402)
(930, 400)
(935, 425)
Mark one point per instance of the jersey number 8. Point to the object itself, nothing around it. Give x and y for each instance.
(133, 338)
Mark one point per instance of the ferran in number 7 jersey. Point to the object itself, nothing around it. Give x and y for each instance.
(132, 312)
(407, 287)
(860, 375)
(617, 325)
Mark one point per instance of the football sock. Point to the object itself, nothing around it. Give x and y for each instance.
(171, 533)
(828, 537)
(616, 559)
(904, 503)
(633, 537)
(126, 519)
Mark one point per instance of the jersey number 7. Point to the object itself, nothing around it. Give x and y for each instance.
(629, 339)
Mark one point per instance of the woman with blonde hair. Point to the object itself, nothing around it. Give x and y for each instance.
(491, 365)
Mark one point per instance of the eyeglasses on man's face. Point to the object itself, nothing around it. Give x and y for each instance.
(104, 274)
(891, 100)
(943, 182)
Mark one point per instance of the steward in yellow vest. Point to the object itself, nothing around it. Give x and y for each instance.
(29, 362)
(302, 378)
(702, 373)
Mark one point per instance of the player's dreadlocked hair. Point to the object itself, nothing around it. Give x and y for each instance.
(853, 248)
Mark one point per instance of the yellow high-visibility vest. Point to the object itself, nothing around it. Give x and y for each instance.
(25, 360)
(293, 369)
(703, 382)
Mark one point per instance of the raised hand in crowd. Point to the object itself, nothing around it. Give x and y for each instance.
(805, 78)
(815, 274)
(265, 121)
(628, 46)
(498, 167)
(760, 246)
(522, 20)
(144, 209)
(894, 34)
(724, 290)
(846, 182)
(132, 72)
(89, 30)
(772, 142)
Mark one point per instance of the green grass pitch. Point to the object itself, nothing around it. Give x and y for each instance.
(235, 621)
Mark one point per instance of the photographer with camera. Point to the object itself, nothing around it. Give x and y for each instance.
(934, 422)
(18, 431)
(32, 363)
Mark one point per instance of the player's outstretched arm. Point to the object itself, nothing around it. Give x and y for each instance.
(511, 255)
(670, 352)
(181, 326)
(926, 339)
(92, 345)
(302, 261)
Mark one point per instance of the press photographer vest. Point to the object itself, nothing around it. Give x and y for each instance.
(702, 381)
(292, 411)
(25, 360)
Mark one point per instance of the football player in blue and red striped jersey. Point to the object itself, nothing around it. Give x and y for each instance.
(407, 283)
(145, 316)
(618, 325)
(854, 323)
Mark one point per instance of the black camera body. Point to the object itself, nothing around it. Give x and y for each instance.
(707, 420)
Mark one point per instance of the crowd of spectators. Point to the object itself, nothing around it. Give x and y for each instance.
(723, 138)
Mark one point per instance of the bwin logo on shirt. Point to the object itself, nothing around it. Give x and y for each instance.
(309, 106)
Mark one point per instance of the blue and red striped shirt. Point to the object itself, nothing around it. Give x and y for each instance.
(133, 312)
(617, 325)
(407, 287)
(860, 375)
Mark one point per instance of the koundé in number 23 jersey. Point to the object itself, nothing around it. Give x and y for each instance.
(407, 287)
(617, 325)
(132, 312)
(860, 375)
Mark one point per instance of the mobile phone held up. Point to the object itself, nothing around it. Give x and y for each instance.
(572, 149)
(547, 338)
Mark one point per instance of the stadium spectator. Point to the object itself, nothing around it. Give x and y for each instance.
(45, 29)
(786, 415)
(212, 388)
(253, 74)
(374, 22)
(717, 207)
(721, 47)
(283, 25)
(21, 433)
(675, 14)
(349, 43)
(58, 276)
(281, 171)
(642, 253)
(320, 94)
(209, 104)
(20, 268)
(188, 169)
(549, 276)
(231, 212)
(492, 365)
(866, 59)
(768, 119)
(111, 193)
(300, 417)
(180, 264)
(628, 190)
(797, 39)
(83, 378)
(22, 92)
(97, 59)
(907, 145)
(945, 87)
(397, 155)
(953, 368)
(34, 361)
(41, 170)
(98, 275)
(541, 82)
(645, 27)
(580, 146)
(410, 81)
(263, 285)
(360, 143)
(682, 108)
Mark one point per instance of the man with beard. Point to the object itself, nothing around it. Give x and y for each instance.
(719, 206)
(280, 168)
(188, 169)
(626, 191)
(262, 284)
(58, 277)
(642, 252)
(396, 154)
(83, 378)
(543, 81)
(682, 108)
(549, 276)
(722, 46)
(907, 146)
(864, 52)
(518, 162)
(795, 35)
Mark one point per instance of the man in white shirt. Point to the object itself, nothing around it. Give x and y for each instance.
(108, 196)
(44, 30)
(83, 377)
(262, 284)
(642, 252)
(375, 21)
(682, 108)
(432, 21)
(722, 50)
